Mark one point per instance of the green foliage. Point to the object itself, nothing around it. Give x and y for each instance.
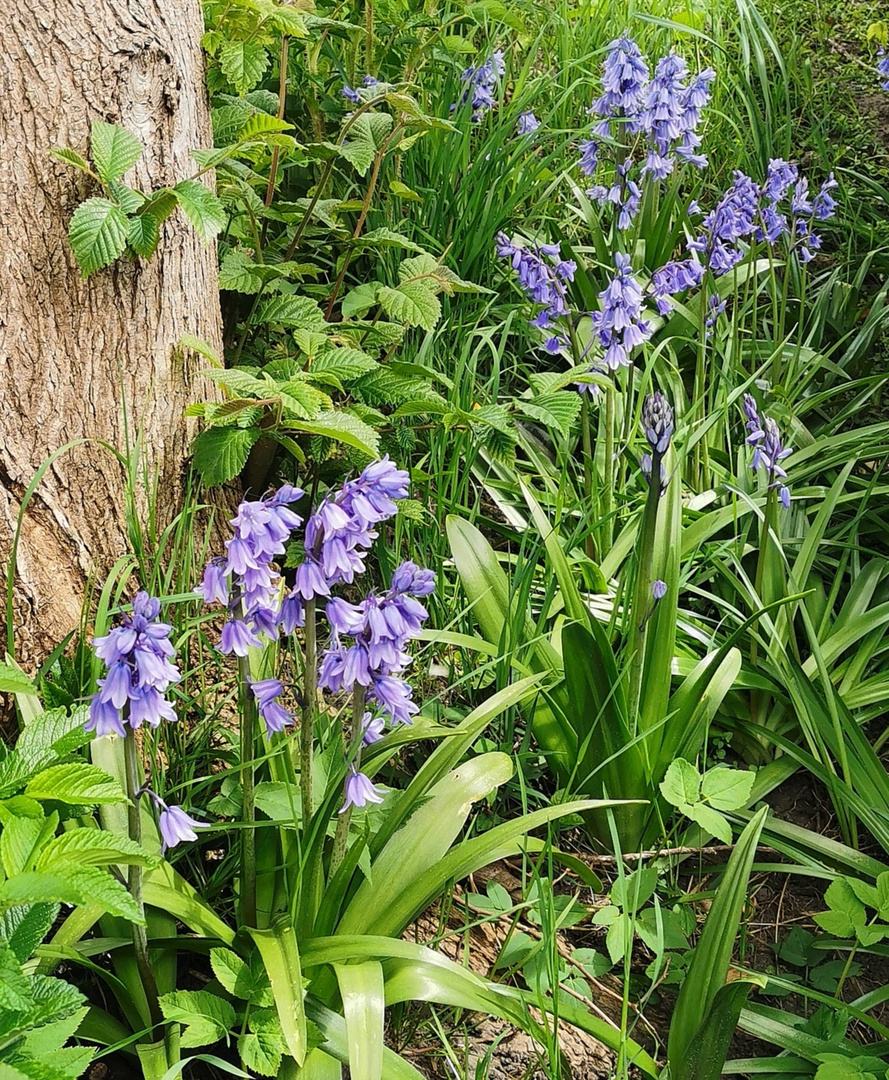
(127, 221)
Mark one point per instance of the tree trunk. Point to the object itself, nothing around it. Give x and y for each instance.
(94, 359)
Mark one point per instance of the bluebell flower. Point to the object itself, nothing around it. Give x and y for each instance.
(372, 728)
(733, 220)
(528, 124)
(238, 638)
(624, 78)
(350, 95)
(137, 655)
(359, 791)
(675, 277)
(619, 325)
(589, 157)
(768, 448)
(658, 589)
(542, 276)
(177, 826)
(883, 67)
(413, 579)
(481, 85)
(715, 307)
(274, 715)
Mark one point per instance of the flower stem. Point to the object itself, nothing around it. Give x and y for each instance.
(134, 880)
(642, 598)
(307, 728)
(342, 825)
(248, 834)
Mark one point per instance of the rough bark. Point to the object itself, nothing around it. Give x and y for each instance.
(94, 359)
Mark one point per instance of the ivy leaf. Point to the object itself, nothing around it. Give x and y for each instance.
(144, 234)
(411, 303)
(202, 208)
(114, 150)
(98, 234)
(77, 784)
(221, 453)
(205, 1017)
(243, 63)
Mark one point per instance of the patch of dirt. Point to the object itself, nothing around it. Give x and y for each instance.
(507, 1054)
(875, 109)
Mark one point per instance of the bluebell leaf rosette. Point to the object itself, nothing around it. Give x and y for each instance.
(764, 435)
(138, 657)
(245, 581)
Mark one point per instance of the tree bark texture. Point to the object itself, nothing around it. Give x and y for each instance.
(92, 359)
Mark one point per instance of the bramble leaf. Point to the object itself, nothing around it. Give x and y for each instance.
(98, 234)
(113, 149)
(202, 208)
(220, 453)
(243, 63)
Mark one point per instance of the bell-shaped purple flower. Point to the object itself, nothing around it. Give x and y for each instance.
(359, 791)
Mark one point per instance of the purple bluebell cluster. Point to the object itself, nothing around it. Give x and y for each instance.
(528, 124)
(883, 67)
(266, 693)
(657, 422)
(137, 655)
(769, 450)
(676, 276)
(657, 116)
(340, 533)
(245, 581)
(734, 219)
(620, 326)
(481, 85)
(379, 628)
(543, 276)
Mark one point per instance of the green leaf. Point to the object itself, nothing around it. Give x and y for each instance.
(243, 63)
(710, 820)
(727, 789)
(71, 157)
(411, 303)
(221, 453)
(205, 1017)
(238, 979)
(52, 734)
(87, 847)
(710, 961)
(846, 910)
(98, 234)
(396, 187)
(22, 840)
(345, 364)
(14, 681)
(237, 273)
(77, 784)
(127, 198)
(113, 150)
(25, 927)
(280, 954)
(292, 311)
(144, 234)
(364, 1007)
(15, 992)
(707, 1053)
(681, 784)
(384, 237)
(262, 1051)
(202, 208)
(360, 300)
(344, 427)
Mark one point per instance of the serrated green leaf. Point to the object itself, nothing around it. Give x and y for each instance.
(201, 347)
(202, 208)
(384, 237)
(92, 847)
(127, 198)
(71, 157)
(98, 234)
(23, 839)
(360, 300)
(228, 122)
(78, 784)
(411, 303)
(144, 234)
(221, 453)
(402, 191)
(205, 1017)
(113, 150)
(298, 312)
(558, 410)
(52, 1036)
(343, 363)
(360, 153)
(727, 789)
(237, 273)
(302, 400)
(260, 123)
(681, 783)
(25, 927)
(710, 820)
(288, 21)
(15, 990)
(243, 63)
(343, 427)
